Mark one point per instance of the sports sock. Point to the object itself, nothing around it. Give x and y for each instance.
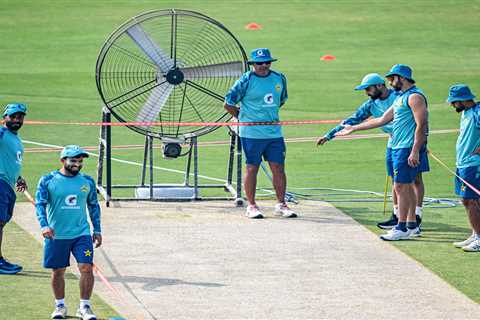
(84, 303)
(419, 211)
(402, 226)
(59, 302)
(411, 225)
(395, 211)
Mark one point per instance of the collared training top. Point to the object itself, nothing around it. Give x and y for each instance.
(260, 100)
(469, 138)
(11, 156)
(61, 203)
(370, 108)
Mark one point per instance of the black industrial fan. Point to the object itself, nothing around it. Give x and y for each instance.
(157, 70)
(169, 66)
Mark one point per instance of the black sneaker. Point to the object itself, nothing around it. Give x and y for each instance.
(389, 224)
(419, 220)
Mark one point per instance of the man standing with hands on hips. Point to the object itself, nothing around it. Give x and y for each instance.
(261, 93)
(62, 199)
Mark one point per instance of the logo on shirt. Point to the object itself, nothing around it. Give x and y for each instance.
(71, 200)
(268, 98)
(84, 188)
(19, 157)
(260, 53)
(278, 87)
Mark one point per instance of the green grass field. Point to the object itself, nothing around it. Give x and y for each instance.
(48, 55)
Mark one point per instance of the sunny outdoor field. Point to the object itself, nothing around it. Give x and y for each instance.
(48, 53)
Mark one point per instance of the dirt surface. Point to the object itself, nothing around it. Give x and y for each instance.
(205, 260)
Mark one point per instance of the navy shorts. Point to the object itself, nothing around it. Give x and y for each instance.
(56, 252)
(272, 150)
(7, 201)
(402, 172)
(423, 167)
(472, 176)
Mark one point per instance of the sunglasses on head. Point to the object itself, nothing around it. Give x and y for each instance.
(265, 62)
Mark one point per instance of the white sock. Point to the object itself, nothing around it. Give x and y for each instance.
(395, 211)
(84, 303)
(59, 302)
(419, 211)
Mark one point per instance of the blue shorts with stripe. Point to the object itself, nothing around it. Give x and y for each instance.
(402, 172)
(424, 165)
(57, 251)
(7, 201)
(272, 150)
(470, 175)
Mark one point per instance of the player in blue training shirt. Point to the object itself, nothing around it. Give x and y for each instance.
(468, 160)
(62, 199)
(409, 152)
(261, 93)
(11, 156)
(380, 100)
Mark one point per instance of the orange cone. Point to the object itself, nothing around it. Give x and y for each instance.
(253, 26)
(328, 57)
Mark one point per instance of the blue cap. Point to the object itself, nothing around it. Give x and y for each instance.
(260, 55)
(370, 79)
(72, 151)
(12, 108)
(460, 92)
(401, 70)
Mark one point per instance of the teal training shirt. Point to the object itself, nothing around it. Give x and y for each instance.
(11, 156)
(260, 100)
(469, 138)
(404, 125)
(61, 203)
(370, 108)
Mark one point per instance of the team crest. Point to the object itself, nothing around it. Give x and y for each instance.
(278, 87)
(84, 188)
(463, 188)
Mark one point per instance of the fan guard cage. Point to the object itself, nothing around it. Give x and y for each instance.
(169, 66)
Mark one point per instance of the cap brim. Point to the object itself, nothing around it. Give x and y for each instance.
(269, 60)
(83, 154)
(362, 87)
(390, 74)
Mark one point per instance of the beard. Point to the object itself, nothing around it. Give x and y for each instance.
(73, 170)
(375, 95)
(13, 125)
(459, 109)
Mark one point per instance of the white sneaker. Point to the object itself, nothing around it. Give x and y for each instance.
(86, 313)
(281, 209)
(253, 212)
(474, 246)
(60, 312)
(395, 234)
(464, 243)
(415, 233)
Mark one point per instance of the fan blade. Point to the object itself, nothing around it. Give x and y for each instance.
(220, 70)
(155, 102)
(150, 48)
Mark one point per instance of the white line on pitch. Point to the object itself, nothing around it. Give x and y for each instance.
(125, 161)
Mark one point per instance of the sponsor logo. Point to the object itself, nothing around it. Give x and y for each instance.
(268, 98)
(71, 200)
(260, 53)
(19, 157)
